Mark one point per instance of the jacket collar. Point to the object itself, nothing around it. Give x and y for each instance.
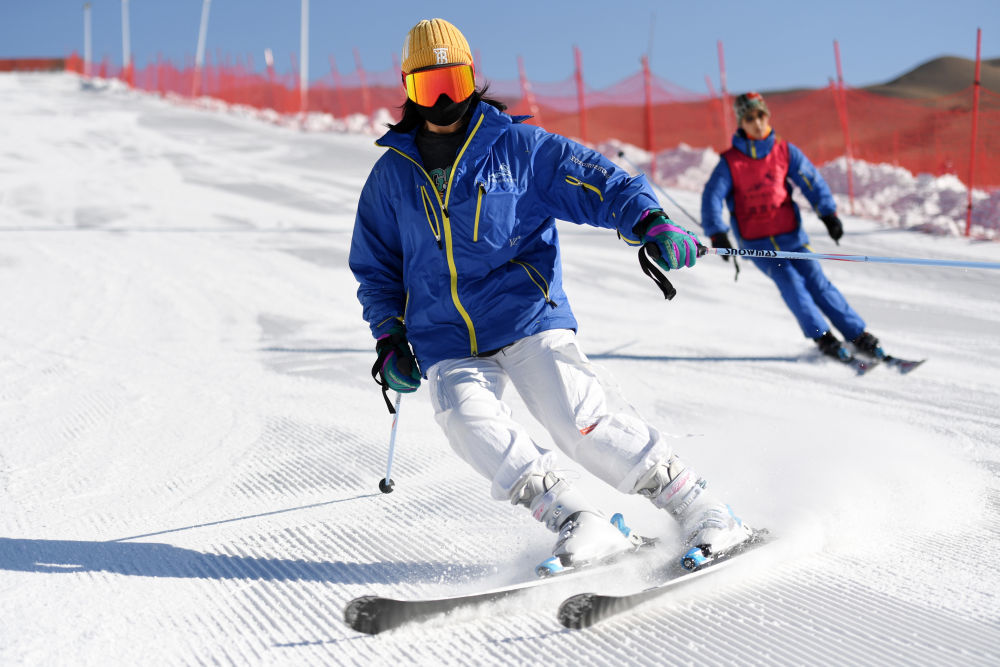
(487, 122)
(754, 148)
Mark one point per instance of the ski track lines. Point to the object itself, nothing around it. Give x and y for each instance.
(796, 620)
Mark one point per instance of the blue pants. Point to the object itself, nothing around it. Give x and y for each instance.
(810, 295)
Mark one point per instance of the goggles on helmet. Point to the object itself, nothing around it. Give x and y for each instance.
(425, 85)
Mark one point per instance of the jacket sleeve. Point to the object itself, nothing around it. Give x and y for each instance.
(376, 259)
(580, 185)
(713, 198)
(802, 172)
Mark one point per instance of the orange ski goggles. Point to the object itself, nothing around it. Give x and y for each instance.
(425, 85)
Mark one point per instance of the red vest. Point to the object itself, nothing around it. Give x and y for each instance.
(762, 204)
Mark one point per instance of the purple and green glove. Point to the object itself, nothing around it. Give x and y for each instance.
(396, 367)
(396, 362)
(677, 246)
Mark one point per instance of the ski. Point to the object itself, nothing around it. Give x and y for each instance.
(372, 614)
(586, 609)
(877, 355)
(904, 366)
(860, 366)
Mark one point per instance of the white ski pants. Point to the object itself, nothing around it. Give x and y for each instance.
(559, 386)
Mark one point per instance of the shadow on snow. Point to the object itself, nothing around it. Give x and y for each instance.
(153, 559)
(142, 559)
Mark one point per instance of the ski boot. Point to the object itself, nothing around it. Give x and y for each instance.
(869, 345)
(586, 536)
(710, 528)
(831, 346)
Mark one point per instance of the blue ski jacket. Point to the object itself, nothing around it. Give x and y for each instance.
(801, 172)
(478, 268)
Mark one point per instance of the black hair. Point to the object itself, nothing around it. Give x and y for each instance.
(412, 119)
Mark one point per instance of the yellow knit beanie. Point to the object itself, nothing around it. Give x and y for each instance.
(434, 42)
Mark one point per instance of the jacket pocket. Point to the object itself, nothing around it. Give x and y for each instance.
(495, 218)
(536, 277)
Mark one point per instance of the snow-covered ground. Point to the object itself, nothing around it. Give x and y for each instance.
(190, 439)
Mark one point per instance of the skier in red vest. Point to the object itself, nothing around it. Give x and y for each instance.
(754, 178)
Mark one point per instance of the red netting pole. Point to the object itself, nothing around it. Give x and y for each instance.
(847, 127)
(725, 94)
(73, 63)
(366, 101)
(296, 84)
(722, 108)
(159, 74)
(975, 126)
(336, 88)
(526, 92)
(272, 99)
(647, 86)
(837, 102)
(579, 93)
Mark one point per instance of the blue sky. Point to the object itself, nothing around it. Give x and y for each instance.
(768, 45)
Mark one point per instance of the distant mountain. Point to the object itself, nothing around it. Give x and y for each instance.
(936, 77)
(941, 76)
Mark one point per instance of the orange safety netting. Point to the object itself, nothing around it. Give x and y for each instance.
(923, 136)
(32, 64)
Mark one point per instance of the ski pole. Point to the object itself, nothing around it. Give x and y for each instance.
(673, 201)
(782, 254)
(385, 485)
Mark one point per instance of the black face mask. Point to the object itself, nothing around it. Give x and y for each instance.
(444, 112)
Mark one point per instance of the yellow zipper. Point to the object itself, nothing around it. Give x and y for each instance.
(435, 227)
(392, 317)
(479, 207)
(543, 285)
(573, 180)
(806, 179)
(448, 242)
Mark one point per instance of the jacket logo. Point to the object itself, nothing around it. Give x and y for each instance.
(501, 175)
(514, 241)
(588, 165)
(441, 53)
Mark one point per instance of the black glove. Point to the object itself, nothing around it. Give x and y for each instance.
(721, 240)
(833, 225)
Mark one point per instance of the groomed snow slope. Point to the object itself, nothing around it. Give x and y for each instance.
(190, 440)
